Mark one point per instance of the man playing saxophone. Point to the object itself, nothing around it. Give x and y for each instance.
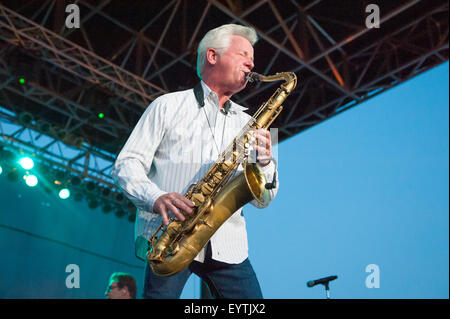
(173, 145)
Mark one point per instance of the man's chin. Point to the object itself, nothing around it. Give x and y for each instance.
(237, 87)
(242, 85)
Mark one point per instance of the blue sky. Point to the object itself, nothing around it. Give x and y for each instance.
(369, 186)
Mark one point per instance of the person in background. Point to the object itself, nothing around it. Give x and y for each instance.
(121, 286)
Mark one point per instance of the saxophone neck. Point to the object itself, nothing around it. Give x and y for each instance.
(289, 77)
(270, 109)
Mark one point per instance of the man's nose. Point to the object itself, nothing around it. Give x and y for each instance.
(249, 64)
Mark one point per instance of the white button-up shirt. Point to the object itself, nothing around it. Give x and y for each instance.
(172, 146)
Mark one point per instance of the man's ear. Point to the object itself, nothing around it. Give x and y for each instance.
(212, 55)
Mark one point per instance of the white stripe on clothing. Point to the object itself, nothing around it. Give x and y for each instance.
(172, 146)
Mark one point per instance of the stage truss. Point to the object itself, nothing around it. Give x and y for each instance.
(125, 55)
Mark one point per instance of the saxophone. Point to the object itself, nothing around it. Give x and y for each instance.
(218, 194)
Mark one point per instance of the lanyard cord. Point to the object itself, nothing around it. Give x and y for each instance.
(212, 132)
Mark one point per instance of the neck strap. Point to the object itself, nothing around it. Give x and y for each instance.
(198, 92)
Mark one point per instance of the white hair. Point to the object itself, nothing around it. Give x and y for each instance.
(219, 39)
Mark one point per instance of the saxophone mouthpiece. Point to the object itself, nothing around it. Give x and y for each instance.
(253, 77)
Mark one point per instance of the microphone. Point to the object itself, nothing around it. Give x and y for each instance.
(323, 281)
(226, 107)
(273, 184)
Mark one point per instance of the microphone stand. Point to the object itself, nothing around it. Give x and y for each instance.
(323, 281)
(327, 290)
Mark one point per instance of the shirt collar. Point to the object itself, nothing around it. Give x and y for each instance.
(209, 94)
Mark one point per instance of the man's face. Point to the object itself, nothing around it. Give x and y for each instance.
(113, 291)
(235, 63)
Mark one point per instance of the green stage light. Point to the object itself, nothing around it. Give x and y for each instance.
(26, 163)
(22, 80)
(64, 193)
(101, 115)
(31, 180)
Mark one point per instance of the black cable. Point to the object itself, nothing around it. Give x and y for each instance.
(69, 246)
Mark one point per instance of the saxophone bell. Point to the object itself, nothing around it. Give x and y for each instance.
(219, 194)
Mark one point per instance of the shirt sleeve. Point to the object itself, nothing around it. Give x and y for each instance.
(134, 161)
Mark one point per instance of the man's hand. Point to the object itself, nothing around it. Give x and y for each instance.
(263, 146)
(175, 203)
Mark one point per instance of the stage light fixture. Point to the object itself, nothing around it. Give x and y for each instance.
(101, 115)
(73, 140)
(75, 181)
(120, 212)
(105, 192)
(1, 170)
(78, 142)
(26, 163)
(93, 203)
(90, 186)
(131, 217)
(60, 177)
(64, 193)
(44, 127)
(106, 208)
(25, 118)
(60, 133)
(119, 197)
(31, 180)
(22, 80)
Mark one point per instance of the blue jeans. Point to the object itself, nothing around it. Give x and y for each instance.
(230, 281)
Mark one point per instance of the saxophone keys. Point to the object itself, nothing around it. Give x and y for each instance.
(175, 249)
(198, 199)
(226, 165)
(206, 189)
(217, 177)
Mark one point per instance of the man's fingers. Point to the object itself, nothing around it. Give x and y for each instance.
(263, 155)
(262, 151)
(184, 204)
(163, 213)
(263, 132)
(175, 211)
(263, 138)
(173, 202)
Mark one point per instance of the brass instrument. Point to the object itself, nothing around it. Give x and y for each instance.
(215, 197)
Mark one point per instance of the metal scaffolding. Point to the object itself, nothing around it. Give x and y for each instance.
(124, 56)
